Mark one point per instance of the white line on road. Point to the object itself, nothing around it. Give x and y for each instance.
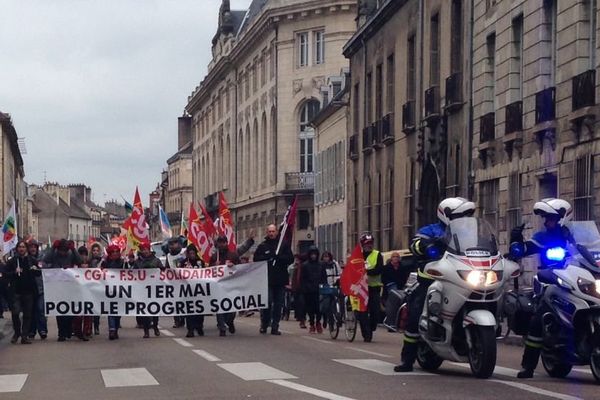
(498, 370)
(12, 383)
(183, 342)
(255, 371)
(536, 390)
(583, 371)
(206, 355)
(127, 377)
(317, 340)
(307, 389)
(167, 333)
(373, 353)
(377, 366)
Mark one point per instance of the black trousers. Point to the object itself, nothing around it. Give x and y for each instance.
(369, 319)
(411, 334)
(22, 304)
(535, 338)
(65, 326)
(194, 322)
(149, 322)
(312, 307)
(299, 307)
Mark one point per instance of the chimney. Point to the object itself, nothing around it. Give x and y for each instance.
(184, 131)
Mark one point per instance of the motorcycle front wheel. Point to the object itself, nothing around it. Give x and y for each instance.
(426, 358)
(482, 352)
(554, 367)
(595, 363)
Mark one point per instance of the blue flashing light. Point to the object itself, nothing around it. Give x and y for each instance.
(433, 251)
(556, 254)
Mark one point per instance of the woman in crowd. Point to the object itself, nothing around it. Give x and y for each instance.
(39, 323)
(94, 262)
(309, 283)
(193, 322)
(114, 261)
(330, 278)
(21, 272)
(82, 325)
(296, 273)
(147, 259)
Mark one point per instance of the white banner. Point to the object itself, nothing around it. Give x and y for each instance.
(152, 292)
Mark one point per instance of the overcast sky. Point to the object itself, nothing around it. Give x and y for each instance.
(95, 87)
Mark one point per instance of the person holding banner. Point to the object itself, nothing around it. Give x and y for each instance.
(21, 272)
(94, 262)
(63, 255)
(279, 256)
(114, 261)
(223, 256)
(175, 255)
(147, 259)
(82, 325)
(193, 322)
(39, 323)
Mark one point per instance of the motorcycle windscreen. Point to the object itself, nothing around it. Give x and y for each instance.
(586, 233)
(471, 237)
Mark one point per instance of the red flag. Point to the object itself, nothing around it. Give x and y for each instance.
(353, 280)
(198, 236)
(138, 231)
(209, 224)
(226, 222)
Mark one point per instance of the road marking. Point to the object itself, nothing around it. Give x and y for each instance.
(183, 342)
(536, 390)
(12, 383)
(206, 355)
(286, 332)
(307, 389)
(377, 366)
(127, 377)
(255, 371)
(583, 371)
(317, 339)
(167, 333)
(498, 370)
(373, 353)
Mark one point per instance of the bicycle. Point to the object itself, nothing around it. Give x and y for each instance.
(330, 303)
(350, 321)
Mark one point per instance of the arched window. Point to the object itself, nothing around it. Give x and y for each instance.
(308, 111)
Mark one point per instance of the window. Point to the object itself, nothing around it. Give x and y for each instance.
(583, 188)
(549, 36)
(356, 107)
(369, 99)
(227, 98)
(319, 47)
(377, 210)
(263, 69)
(456, 36)
(303, 49)
(411, 76)
(303, 219)
(409, 200)
(379, 92)
(273, 60)
(308, 111)
(590, 11)
(391, 84)
(388, 226)
(367, 204)
(517, 56)
(247, 83)
(354, 212)
(488, 198)
(434, 51)
(255, 76)
(491, 70)
(513, 210)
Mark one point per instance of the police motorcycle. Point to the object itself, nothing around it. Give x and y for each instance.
(571, 291)
(458, 322)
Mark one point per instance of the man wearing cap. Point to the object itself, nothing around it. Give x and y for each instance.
(374, 267)
(147, 260)
(230, 258)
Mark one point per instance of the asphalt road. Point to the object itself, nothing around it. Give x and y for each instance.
(249, 365)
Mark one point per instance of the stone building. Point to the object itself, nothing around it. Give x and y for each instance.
(330, 166)
(178, 194)
(408, 128)
(250, 114)
(12, 186)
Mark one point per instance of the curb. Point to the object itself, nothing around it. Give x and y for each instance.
(4, 324)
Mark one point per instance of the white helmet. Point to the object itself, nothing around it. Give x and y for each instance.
(558, 207)
(454, 207)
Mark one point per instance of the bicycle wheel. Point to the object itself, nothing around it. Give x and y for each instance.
(350, 325)
(334, 326)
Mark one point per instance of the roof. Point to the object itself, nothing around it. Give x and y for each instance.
(77, 209)
(186, 149)
(13, 139)
(253, 11)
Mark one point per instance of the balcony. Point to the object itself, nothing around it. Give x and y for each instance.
(408, 117)
(387, 129)
(513, 117)
(487, 127)
(377, 134)
(299, 181)
(367, 139)
(545, 105)
(212, 202)
(584, 90)
(353, 147)
(454, 99)
(432, 104)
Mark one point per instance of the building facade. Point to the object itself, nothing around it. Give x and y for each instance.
(252, 137)
(408, 128)
(330, 166)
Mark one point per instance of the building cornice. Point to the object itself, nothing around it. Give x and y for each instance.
(372, 26)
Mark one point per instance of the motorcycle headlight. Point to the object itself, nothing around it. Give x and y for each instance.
(591, 288)
(479, 278)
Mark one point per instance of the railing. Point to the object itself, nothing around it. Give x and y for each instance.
(353, 147)
(377, 128)
(454, 91)
(513, 117)
(387, 128)
(367, 139)
(299, 181)
(432, 102)
(408, 116)
(545, 105)
(584, 90)
(487, 127)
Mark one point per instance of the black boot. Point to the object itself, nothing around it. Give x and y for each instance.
(190, 333)
(525, 373)
(531, 355)
(146, 333)
(156, 331)
(404, 367)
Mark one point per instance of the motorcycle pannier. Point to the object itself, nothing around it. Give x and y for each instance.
(519, 309)
(394, 301)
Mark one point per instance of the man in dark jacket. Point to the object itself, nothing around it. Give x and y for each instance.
(278, 263)
(309, 285)
(194, 322)
(39, 323)
(114, 261)
(147, 260)
(225, 257)
(63, 255)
